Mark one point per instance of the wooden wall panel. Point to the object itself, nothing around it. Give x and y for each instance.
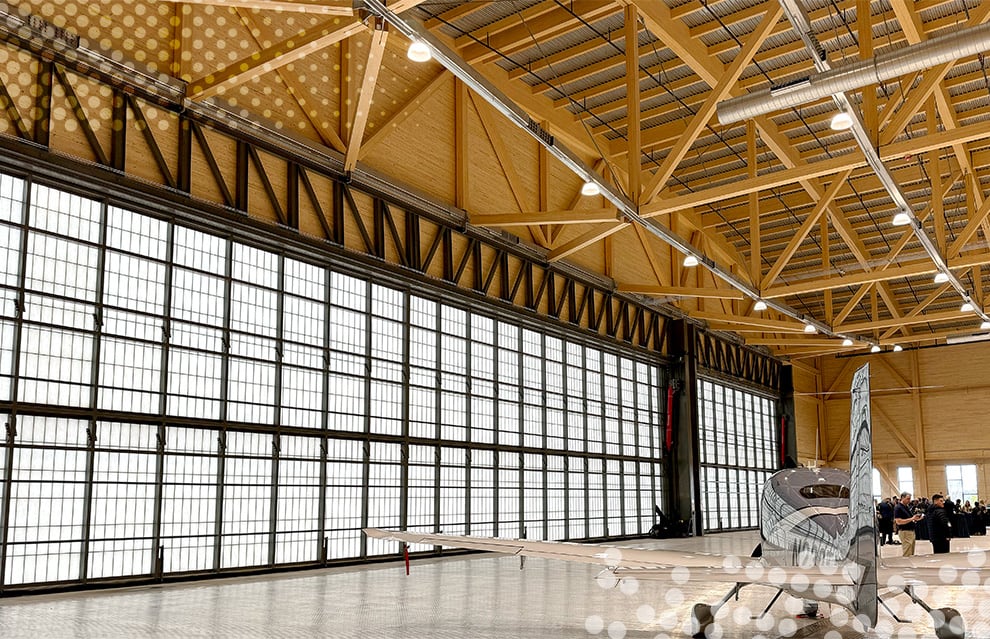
(806, 407)
(930, 409)
(421, 151)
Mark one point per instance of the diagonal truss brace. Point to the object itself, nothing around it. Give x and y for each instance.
(415, 30)
(798, 17)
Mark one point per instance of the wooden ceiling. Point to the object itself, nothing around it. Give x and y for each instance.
(782, 201)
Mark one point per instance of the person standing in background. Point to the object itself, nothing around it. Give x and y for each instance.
(940, 524)
(905, 521)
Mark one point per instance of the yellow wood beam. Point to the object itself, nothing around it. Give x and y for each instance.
(682, 291)
(261, 29)
(580, 216)
(633, 134)
(806, 226)
(703, 116)
(366, 94)
(919, 318)
(292, 49)
(915, 268)
(320, 7)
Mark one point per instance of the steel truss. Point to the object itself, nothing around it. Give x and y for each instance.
(210, 156)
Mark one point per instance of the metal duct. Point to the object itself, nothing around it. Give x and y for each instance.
(891, 64)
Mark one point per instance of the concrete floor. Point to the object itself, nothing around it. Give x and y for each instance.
(478, 596)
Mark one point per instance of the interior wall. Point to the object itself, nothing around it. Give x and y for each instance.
(929, 409)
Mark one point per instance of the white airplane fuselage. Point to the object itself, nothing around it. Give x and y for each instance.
(804, 521)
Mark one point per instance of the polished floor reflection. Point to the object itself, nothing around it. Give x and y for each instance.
(478, 596)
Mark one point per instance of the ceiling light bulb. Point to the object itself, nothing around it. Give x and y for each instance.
(898, 348)
(590, 189)
(841, 121)
(810, 328)
(760, 305)
(901, 219)
(966, 308)
(847, 342)
(418, 51)
(874, 349)
(690, 260)
(941, 277)
(985, 326)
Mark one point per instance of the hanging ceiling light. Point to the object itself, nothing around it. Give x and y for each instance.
(967, 307)
(847, 342)
(690, 261)
(898, 348)
(875, 348)
(418, 51)
(941, 277)
(841, 121)
(590, 189)
(810, 328)
(901, 219)
(760, 305)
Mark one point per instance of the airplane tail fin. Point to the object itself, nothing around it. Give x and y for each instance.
(860, 536)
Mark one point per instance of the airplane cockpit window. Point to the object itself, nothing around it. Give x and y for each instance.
(825, 491)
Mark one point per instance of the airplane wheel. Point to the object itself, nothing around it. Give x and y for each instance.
(810, 608)
(948, 624)
(701, 618)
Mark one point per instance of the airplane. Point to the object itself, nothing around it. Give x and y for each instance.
(818, 543)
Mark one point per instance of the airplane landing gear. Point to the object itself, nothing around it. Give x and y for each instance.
(948, 623)
(702, 615)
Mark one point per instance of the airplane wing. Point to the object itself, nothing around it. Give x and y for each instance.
(970, 568)
(665, 565)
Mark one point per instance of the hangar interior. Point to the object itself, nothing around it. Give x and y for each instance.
(268, 280)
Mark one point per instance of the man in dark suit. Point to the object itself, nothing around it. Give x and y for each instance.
(941, 525)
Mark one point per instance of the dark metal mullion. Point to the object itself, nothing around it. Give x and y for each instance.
(183, 178)
(543, 417)
(157, 548)
(404, 469)
(118, 132)
(468, 422)
(587, 449)
(496, 434)
(567, 441)
(94, 390)
(521, 411)
(622, 440)
(224, 395)
(277, 438)
(604, 433)
(273, 505)
(292, 195)
(366, 471)
(322, 540)
(11, 426)
(43, 103)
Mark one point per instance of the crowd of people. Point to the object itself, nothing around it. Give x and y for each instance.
(938, 520)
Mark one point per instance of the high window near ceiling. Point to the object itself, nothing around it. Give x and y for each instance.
(905, 480)
(224, 406)
(738, 452)
(961, 482)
